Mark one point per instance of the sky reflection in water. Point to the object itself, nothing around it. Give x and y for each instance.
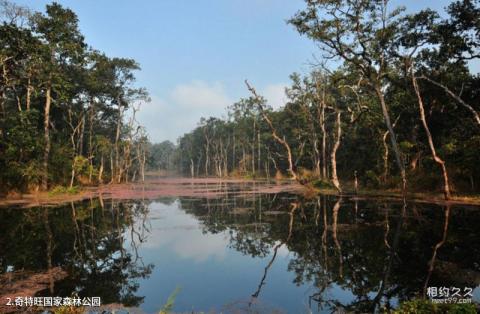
(247, 253)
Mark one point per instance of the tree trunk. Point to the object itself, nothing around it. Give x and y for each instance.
(324, 141)
(29, 93)
(253, 149)
(335, 210)
(386, 151)
(192, 168)
(393, 138)
(100, 171)
(4, 98)
(144, 160)
(244, 163)
(333, 156)
(355, 181)
(234, 153)
(313, 139)
(258, 153)
(74, 129)
(80, 139)
(385, 157)
(90, 141)
(281, 141)
(207, 157)
(475, 114)
(446, 185)
(316, 158)
(198, 167)
(117, 138)
(72, 177)
(207, 151)
(46, 135)
(112, 167)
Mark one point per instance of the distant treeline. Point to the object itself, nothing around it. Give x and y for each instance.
(400, 108)
(63, 105)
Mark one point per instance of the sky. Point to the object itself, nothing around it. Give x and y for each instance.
(196, 54)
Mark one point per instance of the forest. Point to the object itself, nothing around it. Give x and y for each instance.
(67, 114)
(359, 193)
(391, 103)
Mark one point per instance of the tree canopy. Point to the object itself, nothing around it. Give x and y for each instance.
(63, 105)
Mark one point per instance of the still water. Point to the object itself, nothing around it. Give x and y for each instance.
(246, 253)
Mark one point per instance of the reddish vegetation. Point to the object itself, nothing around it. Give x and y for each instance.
(160, 187)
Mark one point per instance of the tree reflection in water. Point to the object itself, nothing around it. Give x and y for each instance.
(255, 295)
(379, 252)
(85, 239)
(431, 264)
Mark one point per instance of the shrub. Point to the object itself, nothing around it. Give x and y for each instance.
(372, 179)
(419, 306)
(322, 184)
(63, 190)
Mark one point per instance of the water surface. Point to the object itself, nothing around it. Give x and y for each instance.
(254, 253)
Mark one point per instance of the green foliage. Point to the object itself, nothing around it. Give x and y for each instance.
(81, 166)
(371, 88)
(167, 308)
(89, 94)
(87, 131)
(420, 306)
(406, 145)
(64, 190)
(372, 179)
(417, 306)
(322, 184)
(161, 156)
(69, 310)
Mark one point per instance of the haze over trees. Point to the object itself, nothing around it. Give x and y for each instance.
(397, 107)
(63, 105)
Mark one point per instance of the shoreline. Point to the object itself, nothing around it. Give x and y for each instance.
(213, 188)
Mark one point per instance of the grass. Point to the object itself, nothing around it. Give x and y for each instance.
(322, 184)
(419, 306)
(64, 190)
(167, 308)
(323, 187)
(69, 310)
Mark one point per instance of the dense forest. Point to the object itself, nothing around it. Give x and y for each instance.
(391, 103)
(67, 114)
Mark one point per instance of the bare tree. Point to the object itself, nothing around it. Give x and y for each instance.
(438, 160)
(474, 113)
(361, 33)
(336, 145)
(273, 130)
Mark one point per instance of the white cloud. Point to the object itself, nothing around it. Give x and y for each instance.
(275, 95)
(152, 116)
(180, 232)
(201, 94)
(167, 119)
(180, 111)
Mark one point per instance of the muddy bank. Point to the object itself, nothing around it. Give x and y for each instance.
(213, 188)
(160, 187)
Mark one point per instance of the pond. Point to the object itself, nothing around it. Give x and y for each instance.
(244, 252)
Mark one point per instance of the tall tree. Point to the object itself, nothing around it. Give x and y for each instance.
(63, 48)
(362, 34)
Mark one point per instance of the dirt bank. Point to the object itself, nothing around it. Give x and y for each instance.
(213, 188)
(159, 187)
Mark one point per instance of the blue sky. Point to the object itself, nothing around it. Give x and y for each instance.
(195, 54)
